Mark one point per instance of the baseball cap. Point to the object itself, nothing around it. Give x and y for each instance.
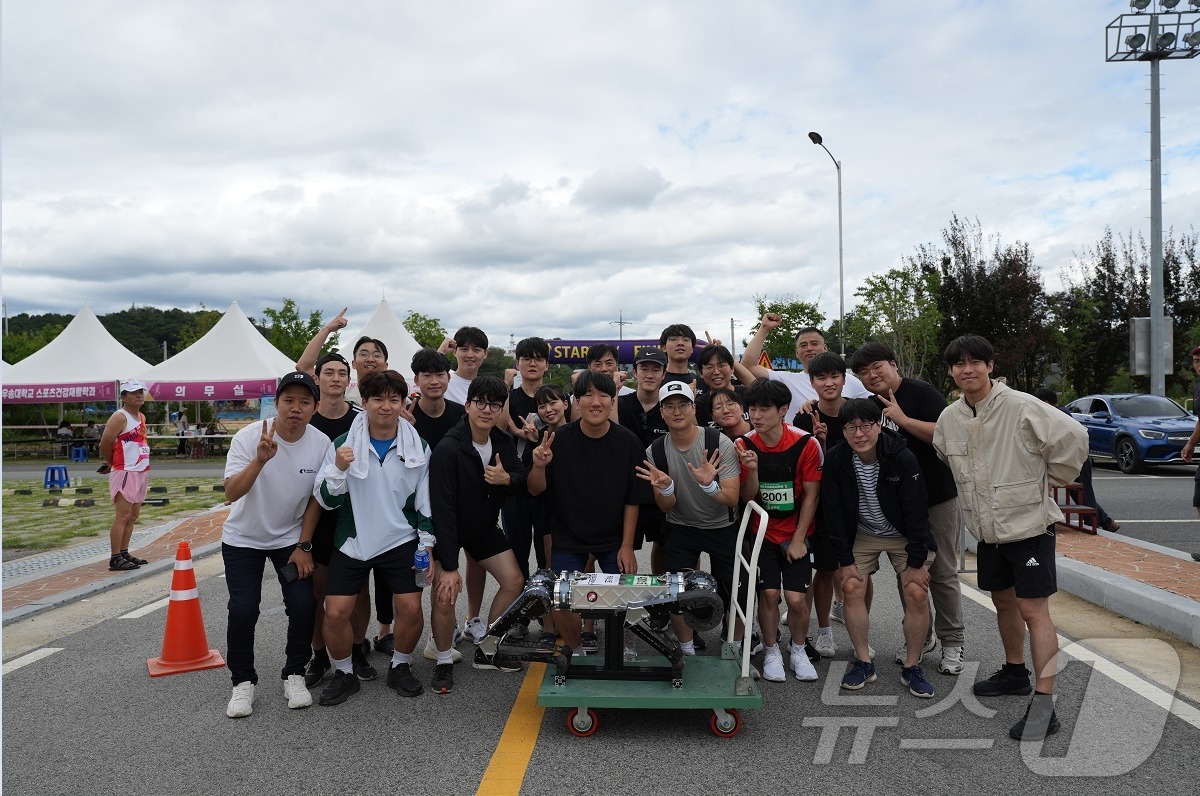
(298, 377)
(132, 385)
(674, 388)
(332, 356)
(651, 353)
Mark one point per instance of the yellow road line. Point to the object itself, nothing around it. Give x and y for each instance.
(506, 771)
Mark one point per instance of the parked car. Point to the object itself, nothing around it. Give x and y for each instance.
(1134, 430)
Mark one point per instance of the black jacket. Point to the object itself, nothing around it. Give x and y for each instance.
(463, 503)
(901, 492)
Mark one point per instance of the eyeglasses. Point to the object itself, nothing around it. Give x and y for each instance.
(677, 407)
(378, 356)
(710, 367)
(861, 428)
(482, 404)
(875, 368)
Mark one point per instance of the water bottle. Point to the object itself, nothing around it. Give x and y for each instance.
(421, 564)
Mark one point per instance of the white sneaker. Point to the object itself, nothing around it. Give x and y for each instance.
(296, 692)
(476, 629)
(801, 665)
(836, 613)
(242, 702)
(902, 655)
(772, 668)
(431, 652)
(824, 644)
(952, 660)
(630, 653)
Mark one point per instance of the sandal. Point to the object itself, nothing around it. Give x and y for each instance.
(134, 559)
(121, 564)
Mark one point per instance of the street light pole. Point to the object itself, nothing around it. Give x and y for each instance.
(1163, 33)
(816, 139)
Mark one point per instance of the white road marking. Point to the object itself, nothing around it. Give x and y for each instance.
(146, 609)
(32, 657)
(1144, 688)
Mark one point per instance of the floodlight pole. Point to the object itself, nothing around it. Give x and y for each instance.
(1158, 380)
(816, 139)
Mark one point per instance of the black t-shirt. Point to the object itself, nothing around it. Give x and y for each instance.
(648, 426)
(590, 481)
(686, 378)
(432, 429)
(520, 405)
(337, 426)
(833, 426)
(921, 401)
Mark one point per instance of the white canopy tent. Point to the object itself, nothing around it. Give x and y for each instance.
(385, 326)
(232, 361)
(84, 363)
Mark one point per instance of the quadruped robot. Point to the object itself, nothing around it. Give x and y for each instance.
(667, 679)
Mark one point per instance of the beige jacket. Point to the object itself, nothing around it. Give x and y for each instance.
(1004, 453)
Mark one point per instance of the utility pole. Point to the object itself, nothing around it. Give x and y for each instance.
(621, 323)
(732, 340)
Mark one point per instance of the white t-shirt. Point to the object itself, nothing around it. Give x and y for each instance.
(802, 389)
(484, 451)
(457, 389)
(270, 514)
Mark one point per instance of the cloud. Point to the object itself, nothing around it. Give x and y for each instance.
(620, 187)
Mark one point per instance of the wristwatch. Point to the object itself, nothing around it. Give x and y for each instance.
(305, 546)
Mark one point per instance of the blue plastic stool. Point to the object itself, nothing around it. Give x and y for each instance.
(56, 475)
(79, 453)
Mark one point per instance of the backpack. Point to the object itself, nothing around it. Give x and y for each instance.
(712, 442)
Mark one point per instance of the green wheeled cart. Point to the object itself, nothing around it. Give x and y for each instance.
(721, 684)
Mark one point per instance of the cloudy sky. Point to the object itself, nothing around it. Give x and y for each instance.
(540, 167)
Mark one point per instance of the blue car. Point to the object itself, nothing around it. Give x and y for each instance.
(1134, 430)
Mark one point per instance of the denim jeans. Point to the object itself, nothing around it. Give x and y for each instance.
(244, 568)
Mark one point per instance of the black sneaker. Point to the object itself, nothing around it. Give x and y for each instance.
(811, 651)
(135, 559)
(339, 688)
(386, 644)
(318, 667)
(1038, 722)
(1002, 683)
(400, 679)
(358, 658)
(698, 642)
(484, 662)
(590, 642)
(547, 643)
(443, 678)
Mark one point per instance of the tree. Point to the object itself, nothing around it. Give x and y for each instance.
(289, 333)
(899, 307)
(425, 330)
(796, 314)
(18, 345)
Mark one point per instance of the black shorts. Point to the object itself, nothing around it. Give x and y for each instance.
(773, 569)
(482, 546)
(322, 540)
(1026, 566)
(649, 529)
(348, 575)
(1196, 491)
(685, 544)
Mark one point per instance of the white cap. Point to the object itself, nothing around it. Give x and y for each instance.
(132, 385)
(682, 389)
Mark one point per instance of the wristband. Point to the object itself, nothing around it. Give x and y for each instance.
(668, 491)
(712, 488)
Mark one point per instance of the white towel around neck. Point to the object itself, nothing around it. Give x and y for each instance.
(358, 439)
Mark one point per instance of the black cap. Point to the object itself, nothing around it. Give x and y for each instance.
(332, 356)
(298, 377)
(650, 353)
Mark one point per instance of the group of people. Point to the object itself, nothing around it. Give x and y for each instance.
(848, 466)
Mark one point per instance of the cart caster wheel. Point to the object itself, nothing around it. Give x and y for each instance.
(726, 726)
(583, 725)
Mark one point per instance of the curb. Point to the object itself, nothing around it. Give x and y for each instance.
(1147, 605)
(62, 598)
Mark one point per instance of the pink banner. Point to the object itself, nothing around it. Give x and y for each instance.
(211, 390)
(85, 392)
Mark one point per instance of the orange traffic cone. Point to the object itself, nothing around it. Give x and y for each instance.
(185, 644)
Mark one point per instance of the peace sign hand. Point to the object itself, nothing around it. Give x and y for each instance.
(496, 475)
(525, 428)
(542, 455)
(710, 339)
(747, 457)
(819, 429)
(657, 478)
(891, 409)
(267, 446)
(706, 473)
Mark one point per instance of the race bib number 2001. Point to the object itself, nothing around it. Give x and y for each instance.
(777, 495)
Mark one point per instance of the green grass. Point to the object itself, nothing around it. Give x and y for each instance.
(27, 526)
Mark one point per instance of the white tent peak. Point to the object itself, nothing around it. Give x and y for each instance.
(82, 352)
(385, 326)
(232, 350)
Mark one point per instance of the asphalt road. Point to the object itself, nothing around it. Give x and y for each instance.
(89, 718)
(1155, 506)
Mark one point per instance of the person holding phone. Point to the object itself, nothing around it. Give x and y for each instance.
(269, 476)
